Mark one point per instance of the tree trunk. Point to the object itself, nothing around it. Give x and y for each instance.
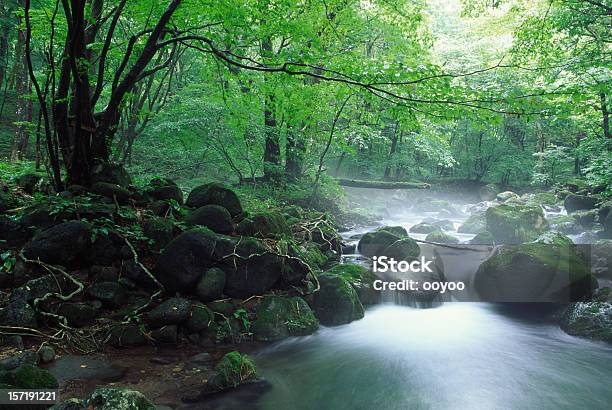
(391, 152)
(605, 116)
(23, 106)
(294, 154)
(272, 148)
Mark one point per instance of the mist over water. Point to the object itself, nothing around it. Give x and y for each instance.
(456, 355)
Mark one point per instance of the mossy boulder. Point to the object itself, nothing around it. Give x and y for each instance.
(200, 318)
(214, 217)
(483, 238)
(506, 195)
(231, 371)
(126, 335)
(399, 231)
(112, 191)
(210, 285)
(475, 224)
(585, 218)
(542, 198)
(534, 272)
(28, 376)
(311, 254)
(515, 223)
(488, 192)
(575, 202)
(65, 244)
(118, 399)
(336, 302)
(215, 194)
(279, 317)
(173, 311)
(30, 182)
(403, 249)
(441, 237)
(425, 228)
(159, 230)
(592, 320)
(565, 224)
(164, 189)
(268, 224)
(554, 238)
(361, 279)
(373, 243)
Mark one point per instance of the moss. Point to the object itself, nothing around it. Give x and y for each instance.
(336, 302)
(361, 279)
(424, 228)
(515, 223)
(554, 238)
(313, 256)
(373, 243)
(395, 230)
(546, 198)
(264, 225)
(474, 224)
(118, 399)
(441, 237)
(404, 249)
(232, 370)
(483, 238)
(31, 377)
(280, 317)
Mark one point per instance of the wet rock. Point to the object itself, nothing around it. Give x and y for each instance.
(515, 223)
(564, 224)
(215, 194)
(126, 336)
(269, 224)
(405, 249)
(112, 191)
(210, 286)
(27, 357)
(592, 320)
(534, 272)
(586, 219)
(336, 302)
(214, 217)
(46, 354)
(441, 237)
(280, 317)
(65, 244)
(200, 318)
(111, 294)
(483, 238)
(165, 335)
(18, 313)
(373, 243)
(424, 228)
(118, 399)
(575, 202)
(231, 371)
(173, 311)
(361, 279)
(78, 314)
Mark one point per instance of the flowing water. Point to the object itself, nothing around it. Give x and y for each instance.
(458, 355)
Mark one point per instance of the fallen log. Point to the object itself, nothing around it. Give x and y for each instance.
(356, 183)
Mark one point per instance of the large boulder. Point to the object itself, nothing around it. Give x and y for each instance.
(215, 194)
(231, 371)
(112, 191)
(173, 311)
(336, 302)
(65, 244)
(110, 173)
(280, 317)
(159, 230)
(28, 376)
(592, 320)
(210, 285)
(475, 224)
(405, 249)
(575, 202)
(488, 192)
(425, 228)
(111, 294)
(373, 243)
(189, 256)
(214, 217)
(18, 313)
(506, 195)
(483, 238)
(441, 237)
(515, 223)
(29, 182)
(361, 279)
(264, 224)
(163, 189)
(535, 272)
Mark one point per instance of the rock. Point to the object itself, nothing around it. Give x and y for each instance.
(189, 256)
(424, 228)
(29, 182)
(70, 404)
(214, 217)
(165, 335)
(13, 362)
(404, 249)
(268, 224)
(14, 341)
(39, 287)
(607, 225)
(312, 255)
(78, 314)
(515, 223)
(200, 318)
(475, 224)
(534, 272)
(112, 191)
(46, 354)
(28, 376)
(210, 285)
(111, 294)
(361, 279)
(435, 205)
(373, 243)
(601, 257)
(231, 371)
(125, 336)
(201, 359)
(110, 173)
(165, 190)
(585, 218)
(483, 238)
(65, 244)
(488, 192)
(173, 311)
(280, 317)
(215, 194)
(104, 273)
(398, 231)
(18, 313)
(592, 320)
(160, 208)
(575, 202)
(118, 399)
(605, 209)
(504, 196)
(336, 302)
(564, 224)
(160, 230)
(554, 238)
(106, 250)
(7, 201)
(441, 237)
(541, 198)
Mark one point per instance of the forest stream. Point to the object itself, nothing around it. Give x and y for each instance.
(458, 355)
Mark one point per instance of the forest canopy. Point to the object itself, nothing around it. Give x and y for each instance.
(513, 92)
